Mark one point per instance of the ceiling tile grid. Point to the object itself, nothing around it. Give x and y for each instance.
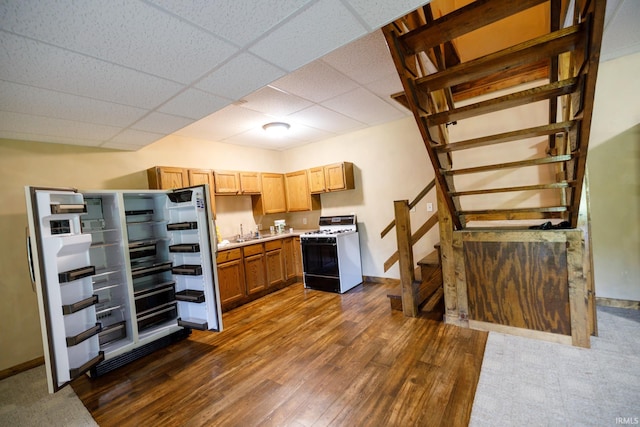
(124, 73)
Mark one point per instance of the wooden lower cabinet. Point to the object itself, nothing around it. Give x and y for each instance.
(250, 272)
(275, 263)
(231, 276)
(254, 268)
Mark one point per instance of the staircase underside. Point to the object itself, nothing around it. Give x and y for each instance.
(507, 132)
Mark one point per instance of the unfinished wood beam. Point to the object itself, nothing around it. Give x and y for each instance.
(507, 136)
(531, 51)
(405, 250)
(516, 99)
(462, 21)
(522, 163)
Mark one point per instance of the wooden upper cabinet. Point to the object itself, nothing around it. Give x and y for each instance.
(250, 183)
(272, 198)
(339, 176)
(298, 195)
(227, 182)
(203, 176)
(166, 178)
(316, 180)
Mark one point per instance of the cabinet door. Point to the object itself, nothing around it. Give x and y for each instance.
(165, 178)
(203, 176)
(275, 268)
(227, 182)
(231, 281)
(289, 258)
(316, 180)
(298, 195)
(339, 176)
(273, 196)
(254, 268)
(249, 182)
(297, 256)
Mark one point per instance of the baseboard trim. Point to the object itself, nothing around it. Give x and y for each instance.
(618, 303)
(14, 370)
(380, 280)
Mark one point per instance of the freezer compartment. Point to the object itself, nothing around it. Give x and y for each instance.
(185, 247)
(85, 335)
(190, 295)
(113, 333)
(188, 269)
(80, 305)
(156, 316)
(181, 226)
(76, 274)
(154, 295)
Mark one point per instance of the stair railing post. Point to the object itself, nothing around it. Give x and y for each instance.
(405, 252)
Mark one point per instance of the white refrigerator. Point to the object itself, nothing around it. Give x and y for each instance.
(119, 274)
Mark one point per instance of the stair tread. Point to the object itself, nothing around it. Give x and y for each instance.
(432, 259)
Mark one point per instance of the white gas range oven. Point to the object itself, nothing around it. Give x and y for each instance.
(331, 255)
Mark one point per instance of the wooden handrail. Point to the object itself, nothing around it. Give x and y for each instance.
(415, 201)
(424, 228)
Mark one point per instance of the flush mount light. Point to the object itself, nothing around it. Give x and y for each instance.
(276, 128)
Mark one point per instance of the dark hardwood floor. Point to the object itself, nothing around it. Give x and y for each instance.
(301, 358)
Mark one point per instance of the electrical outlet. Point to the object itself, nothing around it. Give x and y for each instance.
(429, 207)
(304, 220)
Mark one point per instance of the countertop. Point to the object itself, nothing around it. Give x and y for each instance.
(263, 238)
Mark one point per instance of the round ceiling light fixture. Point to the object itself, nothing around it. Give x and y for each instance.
(276, 128)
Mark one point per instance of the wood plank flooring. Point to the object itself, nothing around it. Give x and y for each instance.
(301, 358)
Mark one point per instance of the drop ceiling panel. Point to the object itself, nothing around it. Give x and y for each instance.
(37, 64)
(269, 100)
(377, 13)
(74, 130)
(316, 31)
(31, 136)
(317, 82)
(132, 138)
(161, 123)
(193, 103)
(229, 121)
(365, 61)
(241, 75)
(239, 21)
(132, 33)
(363, 106)
(319, 117)
(42, 102)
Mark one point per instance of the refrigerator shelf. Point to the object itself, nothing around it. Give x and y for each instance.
(80, 305)
(180, 226)
(62, 208)
(149, 269)
(85, 335)
(76, 274)
(185, 247)
(108, 309)
(156, 316)
(99, 245)
(139, 212)
(112, 333)
(193, 324)
(182, 196)
(190, 295)
(76, 372)
(187, 270)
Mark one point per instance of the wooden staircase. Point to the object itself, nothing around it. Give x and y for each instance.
(504, 91)
(560, 64)
(428, 284)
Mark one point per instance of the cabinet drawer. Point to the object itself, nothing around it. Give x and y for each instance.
(253, 250)
(228, 255)
(273, 245)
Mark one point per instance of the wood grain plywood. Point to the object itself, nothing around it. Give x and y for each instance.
(520, 284)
